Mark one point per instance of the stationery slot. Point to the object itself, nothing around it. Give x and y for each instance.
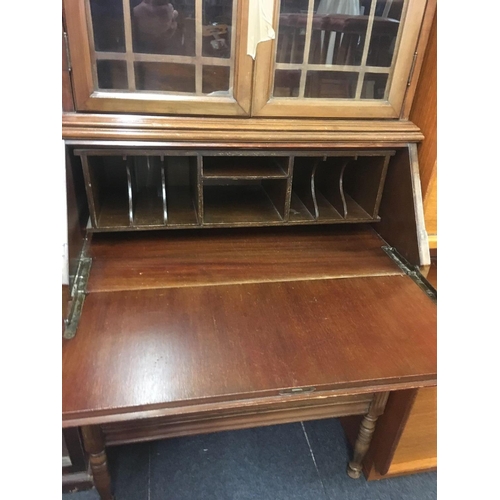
(182, 201)
(363, 185)
(146, 186)
(303, 204)
(107, 191)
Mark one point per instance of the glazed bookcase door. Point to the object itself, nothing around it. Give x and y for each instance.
(337, 58)
(159, 56)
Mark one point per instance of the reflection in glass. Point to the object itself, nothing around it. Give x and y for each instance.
(215, 79)
(340, 36)
(217, 21)
(330, 48)
(160, 28)
(107, 23)
(331, 84)
(384, 32)
(291, 32)
(286, 83)
(163, 45)
(112, 74)
(374, 86)
(165, 77)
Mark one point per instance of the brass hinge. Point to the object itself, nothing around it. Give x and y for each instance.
(412, 69)
(78, 297)
(412, 271)
(66, 44)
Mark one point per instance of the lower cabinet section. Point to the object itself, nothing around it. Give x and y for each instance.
(417, 447)
(405, 440)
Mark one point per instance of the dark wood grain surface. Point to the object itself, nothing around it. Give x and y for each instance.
(187, 258)
(183, 346)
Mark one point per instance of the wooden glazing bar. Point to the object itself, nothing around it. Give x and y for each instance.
(93, 53)
(161, 58)
(110, 56)
(90, 189)
(199, 46)
(364, 57)
(234, 24)
(396, 49)
(332, 67)
(164, 190)
(127, 24)
(307, 47)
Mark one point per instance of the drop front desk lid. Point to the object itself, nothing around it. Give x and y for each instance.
(172, 321)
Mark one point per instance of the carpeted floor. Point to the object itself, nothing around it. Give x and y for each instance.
(284, 462)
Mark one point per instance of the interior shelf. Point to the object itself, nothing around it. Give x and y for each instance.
(134, 189)
(247, 167)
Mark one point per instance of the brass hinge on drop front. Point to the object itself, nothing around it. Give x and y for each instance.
(66, 45)
(412, 271)
(78, 293)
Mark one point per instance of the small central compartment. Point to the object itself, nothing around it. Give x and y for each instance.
(244, 189)
(258, 201)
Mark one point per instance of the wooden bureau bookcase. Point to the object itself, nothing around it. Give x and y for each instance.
(257, 262)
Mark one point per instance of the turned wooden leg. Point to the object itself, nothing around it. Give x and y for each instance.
(365, 435)
(93, 442)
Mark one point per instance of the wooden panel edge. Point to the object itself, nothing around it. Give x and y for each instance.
(430, 12)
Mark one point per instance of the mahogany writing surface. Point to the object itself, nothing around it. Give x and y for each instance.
(238, 255)
(183, 346)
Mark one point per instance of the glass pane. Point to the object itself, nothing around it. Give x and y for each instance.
(286, 83)
(112, 74)
(331, 84)
(339, 32)
(107, 23)
(384, 32)
(215, 79)
(291, 31)
(331, 48)
(160, 28)
(374, 86)
(165, 77)
(217, 28)
(163, 45)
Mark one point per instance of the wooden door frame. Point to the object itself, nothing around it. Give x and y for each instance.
(265, 106)
(88, 98)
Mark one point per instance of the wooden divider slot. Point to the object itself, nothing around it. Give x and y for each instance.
(164, 190)
(328, 182)
(303, 203)
(363, 185)
(182, 190)
(107, 190)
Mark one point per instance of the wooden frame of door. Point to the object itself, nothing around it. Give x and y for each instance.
(89, 98)
(265, 105)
